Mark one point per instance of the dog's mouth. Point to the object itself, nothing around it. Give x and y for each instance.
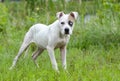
(66, 33)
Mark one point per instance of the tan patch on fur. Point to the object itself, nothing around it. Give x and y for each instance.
(71, 18)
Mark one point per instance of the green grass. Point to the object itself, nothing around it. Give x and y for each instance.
(93, 51)
(83, 65)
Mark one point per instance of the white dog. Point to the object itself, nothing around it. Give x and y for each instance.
(55, 35)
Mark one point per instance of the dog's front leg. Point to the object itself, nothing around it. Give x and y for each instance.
(63, 56)
(52, 57)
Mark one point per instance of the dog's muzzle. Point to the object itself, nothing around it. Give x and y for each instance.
(66, 30)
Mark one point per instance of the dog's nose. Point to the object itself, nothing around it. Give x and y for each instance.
(66, 31)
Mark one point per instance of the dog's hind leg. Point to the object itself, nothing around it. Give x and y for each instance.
(26, 52)
(36, 54)
(24, 46)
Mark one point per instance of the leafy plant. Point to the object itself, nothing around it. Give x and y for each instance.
(3, 18)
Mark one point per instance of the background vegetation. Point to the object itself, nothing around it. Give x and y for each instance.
(93, 51)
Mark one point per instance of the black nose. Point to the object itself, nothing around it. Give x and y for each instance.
(66, 31)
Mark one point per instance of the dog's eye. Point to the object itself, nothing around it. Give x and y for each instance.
(70, 23)
(62, 23)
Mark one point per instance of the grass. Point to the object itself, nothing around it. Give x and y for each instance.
(93, 50)
(83, 65)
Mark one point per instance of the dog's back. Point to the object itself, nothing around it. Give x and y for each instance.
(37, 28)
(37, 32)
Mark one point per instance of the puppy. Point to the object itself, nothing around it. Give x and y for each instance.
(55, 35)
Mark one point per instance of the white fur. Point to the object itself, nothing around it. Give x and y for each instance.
(48, 37)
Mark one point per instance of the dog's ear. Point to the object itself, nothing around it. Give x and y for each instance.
(74, 15)
(59, 14)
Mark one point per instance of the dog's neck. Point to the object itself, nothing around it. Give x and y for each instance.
(54, 25)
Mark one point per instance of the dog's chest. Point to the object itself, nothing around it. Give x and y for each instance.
(61, 42)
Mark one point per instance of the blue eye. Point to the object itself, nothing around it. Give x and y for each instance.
(70, 23)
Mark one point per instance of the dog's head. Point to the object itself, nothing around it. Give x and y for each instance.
(66, 22)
